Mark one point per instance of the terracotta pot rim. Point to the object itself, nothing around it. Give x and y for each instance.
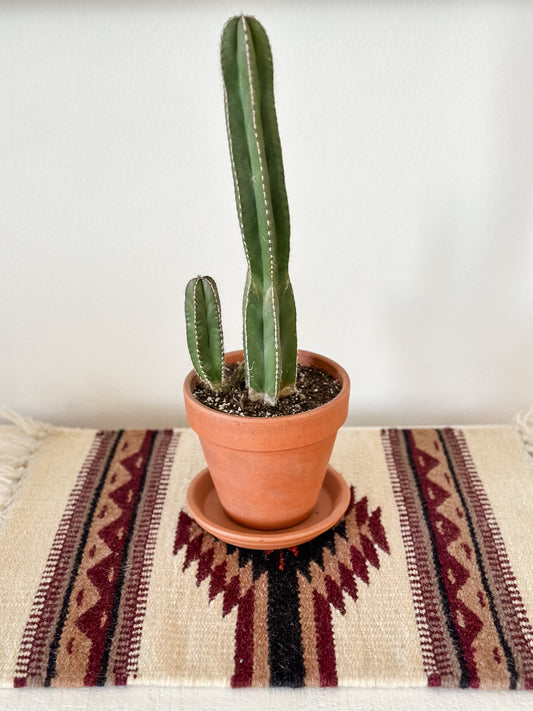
(341, 375)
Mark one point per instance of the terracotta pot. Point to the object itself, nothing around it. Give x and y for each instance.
(268, 472)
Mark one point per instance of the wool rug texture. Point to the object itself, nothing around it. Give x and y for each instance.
(425, 581)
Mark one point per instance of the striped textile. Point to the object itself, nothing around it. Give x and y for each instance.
(426, 579)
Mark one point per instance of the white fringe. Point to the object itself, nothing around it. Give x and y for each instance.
(18, 444)
(523, 422)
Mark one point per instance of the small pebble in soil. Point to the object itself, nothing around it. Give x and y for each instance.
(314, 387)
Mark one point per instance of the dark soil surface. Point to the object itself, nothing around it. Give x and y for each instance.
(314, 387)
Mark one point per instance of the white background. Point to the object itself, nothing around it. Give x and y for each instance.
(407, 130)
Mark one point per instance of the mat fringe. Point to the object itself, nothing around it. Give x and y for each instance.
(18, 444)
(523, 422)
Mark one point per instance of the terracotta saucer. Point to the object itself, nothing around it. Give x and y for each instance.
(205, 507)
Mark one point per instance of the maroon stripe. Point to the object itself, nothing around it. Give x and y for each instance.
(244, 641)
(504, 589)
(443, 533)
(98, 622)
(325, 646)
(33, 654)
(139, 568)
(438, 658)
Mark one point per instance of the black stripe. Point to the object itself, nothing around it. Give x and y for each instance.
(465, 674)
(122, 570)
(509, 658)
(54, 647)
(285, 652)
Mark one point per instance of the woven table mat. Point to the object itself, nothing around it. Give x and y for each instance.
(106, 579)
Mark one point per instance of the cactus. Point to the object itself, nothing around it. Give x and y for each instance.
(204, 331)
(269, 314)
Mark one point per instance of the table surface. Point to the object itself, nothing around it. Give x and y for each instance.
(209, 699)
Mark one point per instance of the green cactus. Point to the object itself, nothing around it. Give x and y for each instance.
(269, 314)
(204, 331)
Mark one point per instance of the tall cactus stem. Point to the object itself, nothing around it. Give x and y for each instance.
(269, 315)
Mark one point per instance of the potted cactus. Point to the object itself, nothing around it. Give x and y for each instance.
(268, 471)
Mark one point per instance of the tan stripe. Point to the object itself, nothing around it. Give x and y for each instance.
(342, 550)
(232, 567)
(307, 621)
(39, 505)
(220, 549)
(245, 577)
(261, 673)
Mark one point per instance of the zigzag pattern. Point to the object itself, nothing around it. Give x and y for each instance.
(96, 622)
(98, 584)
(215, 562)
(452, 543)
(467, 606)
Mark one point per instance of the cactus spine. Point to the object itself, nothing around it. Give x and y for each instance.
(269, 314)
(204, 330)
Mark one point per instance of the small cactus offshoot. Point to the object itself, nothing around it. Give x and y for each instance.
(204, 330)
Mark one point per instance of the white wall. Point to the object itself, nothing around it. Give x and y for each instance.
(407, 130)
